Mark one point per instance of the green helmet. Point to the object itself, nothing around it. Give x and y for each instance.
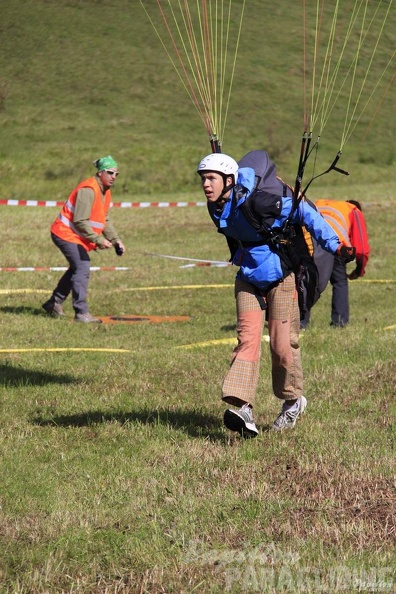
(105, 163)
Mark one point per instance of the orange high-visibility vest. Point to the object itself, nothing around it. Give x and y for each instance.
(350, 225)
(337, 214)
(63, 225)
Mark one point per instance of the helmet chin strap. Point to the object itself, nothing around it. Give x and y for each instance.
(224, 191)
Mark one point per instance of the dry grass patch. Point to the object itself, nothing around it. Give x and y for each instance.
(338, 507)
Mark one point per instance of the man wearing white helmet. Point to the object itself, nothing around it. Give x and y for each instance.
(265, 282)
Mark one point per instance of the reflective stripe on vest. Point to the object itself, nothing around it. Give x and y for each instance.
(337, 220)
(69, 205)
(95, 225)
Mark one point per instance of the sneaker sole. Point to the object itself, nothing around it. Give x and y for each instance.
(234, 422)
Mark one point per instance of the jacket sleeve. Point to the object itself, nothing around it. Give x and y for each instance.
(82, 212)
(110, 232)
(359, 239)
(317, 226)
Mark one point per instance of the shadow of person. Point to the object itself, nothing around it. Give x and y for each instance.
(23, 310)
(192, 422)
(11, 376)
(228, 327)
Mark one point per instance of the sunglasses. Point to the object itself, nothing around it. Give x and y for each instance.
(109, 172)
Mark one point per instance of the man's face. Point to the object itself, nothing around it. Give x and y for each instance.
(108, 176)
(213, 185)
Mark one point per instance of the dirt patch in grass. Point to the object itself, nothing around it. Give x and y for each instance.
(338, 508)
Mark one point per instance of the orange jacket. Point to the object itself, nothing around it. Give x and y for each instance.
(63, 226)
(349, 224)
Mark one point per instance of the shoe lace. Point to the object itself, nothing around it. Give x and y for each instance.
(246, 412)
(285, 416)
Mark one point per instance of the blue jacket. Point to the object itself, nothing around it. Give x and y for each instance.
(260, 265)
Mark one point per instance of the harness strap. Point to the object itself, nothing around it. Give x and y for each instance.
(253, 243)
(282, 247)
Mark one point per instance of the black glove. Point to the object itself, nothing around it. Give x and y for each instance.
(347, 253)
(353, 275)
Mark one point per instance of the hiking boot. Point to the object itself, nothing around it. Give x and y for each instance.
(289, 414)
(86, 318)
(53, 309)
(242, 421)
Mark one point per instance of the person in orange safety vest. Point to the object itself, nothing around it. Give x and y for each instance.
(347, 220)
(84, 225)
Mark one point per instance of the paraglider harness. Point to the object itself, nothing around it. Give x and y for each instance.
(260, 209)
(290, 245)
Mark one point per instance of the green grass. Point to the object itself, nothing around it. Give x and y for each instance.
(82, 79)
(116, 472)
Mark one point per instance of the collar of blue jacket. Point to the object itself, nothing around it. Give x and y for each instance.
(246, 182)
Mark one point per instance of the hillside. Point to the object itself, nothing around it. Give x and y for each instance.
(83, 79)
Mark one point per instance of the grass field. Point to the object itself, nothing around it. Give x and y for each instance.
(117, 475)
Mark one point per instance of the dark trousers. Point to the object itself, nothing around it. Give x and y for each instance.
(332, 268)
(340, 297)
(75, 279)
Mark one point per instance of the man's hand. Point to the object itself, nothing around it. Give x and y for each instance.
(353, 275)
(105, 245)
(347, 253)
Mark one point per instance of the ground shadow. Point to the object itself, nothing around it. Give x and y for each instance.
(228, 327)
(265, 428)
(11, 376)
(23, 309)
(192, 422)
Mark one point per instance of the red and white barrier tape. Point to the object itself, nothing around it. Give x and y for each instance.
(56, 268)
(49, 203)
(155, 204)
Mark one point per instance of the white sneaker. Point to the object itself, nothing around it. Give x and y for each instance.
(242, 421)
(289, 414)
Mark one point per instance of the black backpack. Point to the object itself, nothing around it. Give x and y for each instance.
(261, 208)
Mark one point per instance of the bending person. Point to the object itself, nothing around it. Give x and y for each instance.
(84, 225)
(347, 220)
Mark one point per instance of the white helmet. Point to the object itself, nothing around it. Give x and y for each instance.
(219, 163)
